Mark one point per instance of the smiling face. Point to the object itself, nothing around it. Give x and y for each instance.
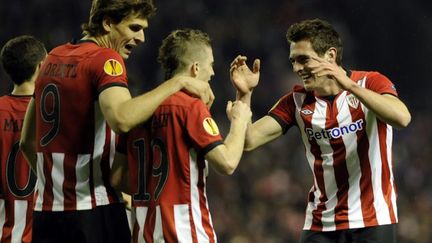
(127, 34)
(300, 54)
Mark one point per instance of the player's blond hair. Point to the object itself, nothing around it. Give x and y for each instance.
(180, 47)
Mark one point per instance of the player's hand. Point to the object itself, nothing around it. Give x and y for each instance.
(198, 88)
(321, 67)
(243, 79)
(238, 110)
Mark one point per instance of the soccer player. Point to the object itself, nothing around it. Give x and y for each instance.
(81, 98)
(167, 156)
(345, 118)
(21, 58)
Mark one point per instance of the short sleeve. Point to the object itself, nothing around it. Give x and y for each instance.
(283, 112)
(202, 129)
(380, 84)
(108, 69)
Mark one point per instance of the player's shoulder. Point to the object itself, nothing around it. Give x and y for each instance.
(5, 103)
(358, 75)
(6, 99)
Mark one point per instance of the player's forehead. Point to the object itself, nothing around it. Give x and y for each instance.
(135, 19)
(301, 48)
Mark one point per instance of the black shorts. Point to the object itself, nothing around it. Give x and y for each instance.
(103, 224)
(377, 234)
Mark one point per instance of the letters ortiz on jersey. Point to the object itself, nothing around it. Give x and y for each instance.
(335, 132)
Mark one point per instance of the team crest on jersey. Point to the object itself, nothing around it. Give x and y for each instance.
(113, 67)
(210, 126)
(352, 101)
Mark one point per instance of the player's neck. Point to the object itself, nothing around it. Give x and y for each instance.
(101, 41)
(330, 88)
(26, 88)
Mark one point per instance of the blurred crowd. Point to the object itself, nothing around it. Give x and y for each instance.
(264, 201)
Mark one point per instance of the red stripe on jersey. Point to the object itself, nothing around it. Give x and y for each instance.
(205, 214)
(169, 229)
(48, 196)
(69, 194)
(385, 173)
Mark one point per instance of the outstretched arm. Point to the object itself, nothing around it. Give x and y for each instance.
(388, 108)
(261, 132)
(225, 157)
(245, 80)
(124, 113)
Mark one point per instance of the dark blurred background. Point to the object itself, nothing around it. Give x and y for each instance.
(264, 201)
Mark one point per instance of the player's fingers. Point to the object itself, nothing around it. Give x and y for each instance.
(211, 98)
(229, 106)
(257, 65)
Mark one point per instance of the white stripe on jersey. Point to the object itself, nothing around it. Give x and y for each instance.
(82, 187)
(389, 158)
(355, 216)
(158, 230)
(112, 148)
(141, 215)
(100, 192)
(2, 216)
(57, 174)
(195, 197)
(19, 220)
(319, 121)
(40, 182)
(182, 223)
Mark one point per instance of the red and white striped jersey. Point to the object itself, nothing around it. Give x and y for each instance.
(75, 145)
(349, 151)
(17, 181)
(168, 172)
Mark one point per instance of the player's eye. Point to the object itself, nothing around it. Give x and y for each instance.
(135, 28)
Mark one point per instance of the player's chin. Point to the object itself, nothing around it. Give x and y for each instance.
(124, 55)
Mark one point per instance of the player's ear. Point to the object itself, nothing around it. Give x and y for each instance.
(194, 69)
(107, 24)
(331, 54)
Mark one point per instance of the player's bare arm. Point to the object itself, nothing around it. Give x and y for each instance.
(243, 78)
(28, 136)
(226, 157)
(388, 108)
(261, 132)
(124, 113)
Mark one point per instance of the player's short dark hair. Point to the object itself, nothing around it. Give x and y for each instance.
(177, 46)
(20, 57)
(117, 10)
(320, 33)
